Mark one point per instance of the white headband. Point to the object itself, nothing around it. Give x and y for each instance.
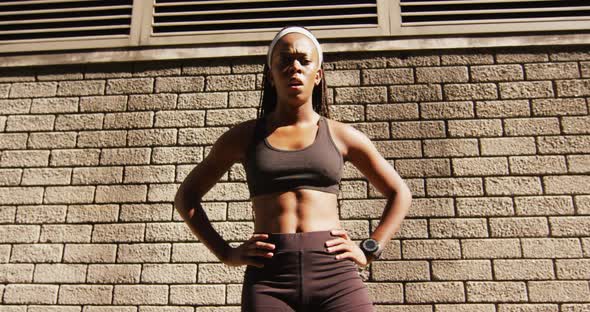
(294, 29)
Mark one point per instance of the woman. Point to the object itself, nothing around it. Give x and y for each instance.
(299, 257)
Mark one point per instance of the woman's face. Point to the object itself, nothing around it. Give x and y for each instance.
(295, 68)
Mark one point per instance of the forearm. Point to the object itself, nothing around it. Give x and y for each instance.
(194, 215)
(396, 209)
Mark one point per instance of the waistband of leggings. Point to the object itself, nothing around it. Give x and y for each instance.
(313, 240)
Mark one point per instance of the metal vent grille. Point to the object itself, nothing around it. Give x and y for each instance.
(210, 16)
(45, 19)
(445, 12)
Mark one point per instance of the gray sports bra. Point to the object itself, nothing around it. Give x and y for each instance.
(269, 169)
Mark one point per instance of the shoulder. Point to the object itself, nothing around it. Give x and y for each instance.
(234, 142)
(348, 138)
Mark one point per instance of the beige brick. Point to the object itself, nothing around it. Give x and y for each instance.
(582, 204)
(347, 113)
(14, 140)
(475, 128)
(461, 270)
(491, 206)
(575, 184)
(496, 291)
(432, 207)
(442, 74)
(81, 88)
(230, 116)
(52, 140)
(177, 119)
(574, 125)
(140, 253)
(151, 137)
(30, 123)
(21, 195)
(537, 164)
(89, 253)
(395, 271)
(30, 294)
(585, 69)
(508, 146)
(526, 89)
(412, 59)
(559, 291)
(404, 308)
(114, 273)
(423, 167)
(227, 191)
(60, 273)
(430, 292)
(450, 147)
(465, 308)
(342, 78)
(358, 61)
(179, 84)
(531, 126)
(519, 227)
(411, 228)
(185, 309)
(512, 185)
(200, 135)
(575, 307)
(458, 228)
(125, 156)
(177, 155)
(32, 89)
(373, 130)
(570, 226)
(120, 193)
(85, 294)
(203, 100)
(140, 294)
(92, 213)
(130, 86)
(197, 294)
(507, 108)
(7, 214)
(10, 176)
(169, 273)
(564, 144)
(169, 231)
(551, 248)
(573, 269)
(46, 176)
(559, 107)
(528, 308)
(390, 112)
(431, 249)
(386, 292)
(467, 58)
(516, 269)
(161, 68)
(17, 73)
(521, 57)
(129, 120)
(162, 192)
(16, 273)
(111, 138)
(97, 175)
(240, 211)
(415, 129)
(136, 212)
(220, 273)
(121, 232)
(416, 92)
(480, 166)
(491, 248)
(496, 73)
(41, 214)
(149, 174)
(54, 105)
(353, 189)
(387, 76)
(550, 71)
(69, 194)
(578, 163)
(109, 103)
(481, 91)
(580, 87)
(247, 98)
(18, 106)
(586, 246)
(544, 205)
(75, 157)
(361, 95)
(56, 233)
(230, 82)
(446, 110)
(192, 252)
(56, 308)
(79, 122)
(3, 123)
(161, 101)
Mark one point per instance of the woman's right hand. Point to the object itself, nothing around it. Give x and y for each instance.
(249, 252)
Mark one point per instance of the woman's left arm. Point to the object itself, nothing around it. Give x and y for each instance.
(363, 154)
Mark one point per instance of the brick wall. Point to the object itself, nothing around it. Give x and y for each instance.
(495, 145)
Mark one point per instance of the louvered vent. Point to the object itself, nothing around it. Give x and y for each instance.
(445, 12)
(210, 16)
(45, 19)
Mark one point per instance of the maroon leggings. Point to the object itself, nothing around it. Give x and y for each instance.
(303, 276)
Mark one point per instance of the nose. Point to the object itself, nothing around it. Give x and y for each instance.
(294, 67)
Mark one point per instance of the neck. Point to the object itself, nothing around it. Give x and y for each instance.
(288, 114)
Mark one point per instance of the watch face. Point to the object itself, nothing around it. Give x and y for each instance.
(370, 245)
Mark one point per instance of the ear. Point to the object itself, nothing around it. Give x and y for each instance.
(319, 75)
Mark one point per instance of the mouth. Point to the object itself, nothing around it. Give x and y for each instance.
(294, 83)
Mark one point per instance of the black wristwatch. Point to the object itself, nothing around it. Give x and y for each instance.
(371, 247)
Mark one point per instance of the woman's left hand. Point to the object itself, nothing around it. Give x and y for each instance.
(348, 248)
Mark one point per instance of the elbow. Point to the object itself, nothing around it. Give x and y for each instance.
(184, 203)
